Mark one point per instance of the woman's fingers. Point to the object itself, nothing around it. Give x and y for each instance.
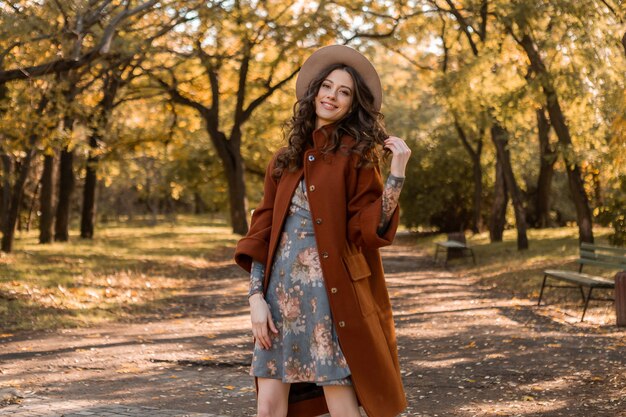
(397, 145)
(265, 338)
(401, 153)
(271, 323)
(262, 337)
(262, 322)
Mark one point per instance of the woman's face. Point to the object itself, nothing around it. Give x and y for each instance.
(334, 98)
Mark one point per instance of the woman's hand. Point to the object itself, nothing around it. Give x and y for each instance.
(262, 321)
(401, 154)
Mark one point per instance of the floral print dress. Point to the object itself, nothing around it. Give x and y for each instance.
(306, 348)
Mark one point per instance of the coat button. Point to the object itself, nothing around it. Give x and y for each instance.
(312, 188)
(311, 158)
(333, 290)
(342, 324)
(325, 255)
(318, 221)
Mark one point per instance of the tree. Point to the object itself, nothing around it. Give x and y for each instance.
(557, 118)
(83, 33)
(474, 29)
(241, 50)
(499, 136)
(81, 21)
(16, 192)
(547, 159)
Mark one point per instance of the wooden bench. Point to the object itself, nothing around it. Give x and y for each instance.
(455, 247)
(610, 258)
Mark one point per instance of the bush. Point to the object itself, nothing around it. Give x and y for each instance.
(438, 188)
(613, 213)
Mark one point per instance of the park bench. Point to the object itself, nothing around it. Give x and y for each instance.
(455, 247)
(607, 257)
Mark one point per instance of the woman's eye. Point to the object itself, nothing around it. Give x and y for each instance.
(345, 92)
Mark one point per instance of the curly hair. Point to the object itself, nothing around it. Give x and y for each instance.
(363, 123)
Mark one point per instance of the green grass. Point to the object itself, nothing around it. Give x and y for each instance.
(503, 267)
(84, 282)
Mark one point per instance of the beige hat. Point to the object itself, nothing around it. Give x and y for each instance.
(339, 54)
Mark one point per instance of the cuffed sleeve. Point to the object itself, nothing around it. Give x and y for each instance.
(365, 210)
(257, 275)
(255, 245)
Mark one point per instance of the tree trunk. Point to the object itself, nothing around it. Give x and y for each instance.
(237, 195)
(475, 155)
(500, 139)
(477, 200)
(46, 200)
(199, 206)
(557, 118)
(17, 191)
(547, 158)
(66, 188)
(7, 168)
(8, 232)
(32, 206)
(500, 201)
(89, 192)
(230, 153)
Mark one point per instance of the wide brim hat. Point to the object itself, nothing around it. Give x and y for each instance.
(339, 54)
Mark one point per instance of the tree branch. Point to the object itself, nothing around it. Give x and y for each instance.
(259, 100)
(64, 65)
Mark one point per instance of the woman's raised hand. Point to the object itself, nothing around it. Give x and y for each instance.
(401, 154)
(262, 322)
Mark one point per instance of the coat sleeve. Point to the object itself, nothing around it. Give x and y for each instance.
(255, 245)
(365, 210)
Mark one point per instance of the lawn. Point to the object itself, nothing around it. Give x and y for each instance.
(503, 268)
(128, 269)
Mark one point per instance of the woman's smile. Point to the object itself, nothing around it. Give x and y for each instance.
(334, 98)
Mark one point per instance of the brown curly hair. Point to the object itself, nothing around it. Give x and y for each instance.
(363, 123)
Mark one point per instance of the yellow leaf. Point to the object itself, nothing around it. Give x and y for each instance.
(128, 369)
(229, 387)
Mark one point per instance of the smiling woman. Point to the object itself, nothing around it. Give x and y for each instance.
(334, 98)
(320, 312)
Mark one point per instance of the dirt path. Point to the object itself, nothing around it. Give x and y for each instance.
(465, 352)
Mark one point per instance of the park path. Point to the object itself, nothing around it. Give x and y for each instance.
(465, 351)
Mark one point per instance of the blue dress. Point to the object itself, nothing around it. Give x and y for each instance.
(306, 348)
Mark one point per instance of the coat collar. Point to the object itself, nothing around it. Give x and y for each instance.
(322, 135)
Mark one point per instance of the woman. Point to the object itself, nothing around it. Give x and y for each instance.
(320, 312)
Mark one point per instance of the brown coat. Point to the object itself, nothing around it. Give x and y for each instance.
(346, 203)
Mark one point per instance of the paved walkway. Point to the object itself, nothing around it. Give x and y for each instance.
(465, 351)
(48, 407)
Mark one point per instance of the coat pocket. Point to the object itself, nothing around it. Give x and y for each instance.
(360, 272)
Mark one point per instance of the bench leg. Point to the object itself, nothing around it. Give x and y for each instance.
(586, 304)
(543, 285)
(436, 253)
(582, 292)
